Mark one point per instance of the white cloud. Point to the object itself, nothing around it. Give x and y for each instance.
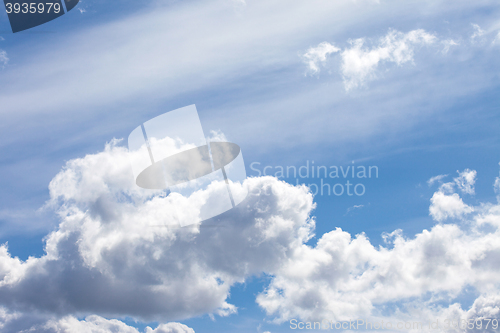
(359, 63)
(94, 324)
(447, 44)
(316, 56)
(106, 259)
(196, 61)
(3, 58)
(445, 206)
(466, 180)
(217, 136)
(261, 44)
(6, 317)
(445, 203)
(353, 208)
(478, 32)
(116, 90)
(496, 187)
(497, 39)
(434, 179)
(345, 277)
(91, 324)
(115, 254)
(171, 328)
(389, 237)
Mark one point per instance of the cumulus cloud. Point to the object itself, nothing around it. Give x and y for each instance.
(116, 253)
(359, 62)
(445, 203)
(94, 324)
(345, 277)
(316, 56)
(119, 250)
(91, 324)
(445, 206)
(171, 328)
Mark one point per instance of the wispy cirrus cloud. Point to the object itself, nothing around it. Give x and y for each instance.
(478, 32)
(4, 59)
(350, 209)
(435, 179)
(496, 187)
(497, 39)
(316, 56)
(448, 44)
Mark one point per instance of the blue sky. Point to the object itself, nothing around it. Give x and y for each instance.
(410, 87)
